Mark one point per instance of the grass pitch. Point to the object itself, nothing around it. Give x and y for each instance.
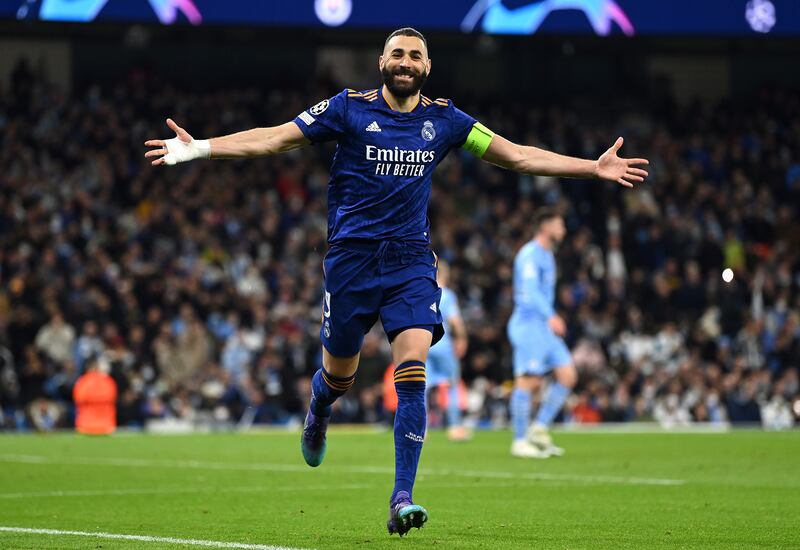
(731, 490)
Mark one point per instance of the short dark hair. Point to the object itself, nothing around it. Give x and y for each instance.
(406, 31)
(544, 214)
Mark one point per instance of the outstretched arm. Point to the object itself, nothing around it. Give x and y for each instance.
(532, 160)
(257, 142)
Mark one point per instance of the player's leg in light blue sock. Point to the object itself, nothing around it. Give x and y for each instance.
(565, 379)
(435, 375)
(431, 415)
(453, 410)
(551, 404)
(520, 411)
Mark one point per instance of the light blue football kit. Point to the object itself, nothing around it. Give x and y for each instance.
(442, 360)
(537, 350)
(443, 365)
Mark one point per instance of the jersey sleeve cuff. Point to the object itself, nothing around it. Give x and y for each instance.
(304, 127)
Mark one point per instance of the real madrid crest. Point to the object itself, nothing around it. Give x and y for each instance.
(428, 133)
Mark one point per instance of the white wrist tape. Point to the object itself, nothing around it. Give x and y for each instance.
(180, 151)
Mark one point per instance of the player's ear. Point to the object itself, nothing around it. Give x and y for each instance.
(380, 63)
(428, 63)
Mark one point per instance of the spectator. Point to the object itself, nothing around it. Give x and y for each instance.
(95, 397)
(56, 339)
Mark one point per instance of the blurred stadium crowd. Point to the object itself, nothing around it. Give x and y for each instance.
(198, 288)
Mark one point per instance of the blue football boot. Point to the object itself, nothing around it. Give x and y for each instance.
(313, 441)
(404, 514)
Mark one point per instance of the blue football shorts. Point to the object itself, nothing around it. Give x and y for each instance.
(367, 280)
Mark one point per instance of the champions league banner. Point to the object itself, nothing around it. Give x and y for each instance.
(519, 17)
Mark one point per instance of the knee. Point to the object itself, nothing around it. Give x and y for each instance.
(339, 366)
(411, 345)
(526, 383)
(411, 357)
(567, 376)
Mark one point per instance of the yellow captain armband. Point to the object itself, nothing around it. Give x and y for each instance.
(478, 140)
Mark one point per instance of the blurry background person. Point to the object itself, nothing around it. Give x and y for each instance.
(537, 336)
(444, 369)
(95, 395)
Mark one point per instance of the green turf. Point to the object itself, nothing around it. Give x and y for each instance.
(734, 490)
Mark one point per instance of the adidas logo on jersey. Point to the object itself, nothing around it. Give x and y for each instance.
(374, 127)
(433, 307)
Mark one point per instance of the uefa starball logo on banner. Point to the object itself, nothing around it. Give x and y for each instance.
(333, 12)
(68, 10)
(496, 18)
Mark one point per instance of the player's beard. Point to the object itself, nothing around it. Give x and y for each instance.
(555, 242)
(403, 89)
(551, 240)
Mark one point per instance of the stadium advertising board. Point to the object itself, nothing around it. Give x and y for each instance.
(601, 17)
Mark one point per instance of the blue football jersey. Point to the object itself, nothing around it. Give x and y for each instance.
(534, 283)
(380, 180)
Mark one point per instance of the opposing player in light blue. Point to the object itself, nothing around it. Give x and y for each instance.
(443, 357)
(536, 332)
(379, 265)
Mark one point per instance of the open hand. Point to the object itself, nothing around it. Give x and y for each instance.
(623, 171)
(181, 148)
